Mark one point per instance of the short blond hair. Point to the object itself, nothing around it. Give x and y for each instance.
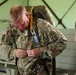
(16, 10)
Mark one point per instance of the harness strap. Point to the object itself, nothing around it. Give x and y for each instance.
(31, 27)
(31, 18)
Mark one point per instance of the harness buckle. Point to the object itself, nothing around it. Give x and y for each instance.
(36, 70)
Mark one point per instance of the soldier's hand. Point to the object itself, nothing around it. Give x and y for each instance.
(21, 53)
(34, 52)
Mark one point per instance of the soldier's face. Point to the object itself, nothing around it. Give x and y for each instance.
(22, 22)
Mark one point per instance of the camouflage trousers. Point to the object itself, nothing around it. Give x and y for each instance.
(42, 72)
(34, 68)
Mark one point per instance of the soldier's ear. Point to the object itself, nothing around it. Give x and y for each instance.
(27, 14)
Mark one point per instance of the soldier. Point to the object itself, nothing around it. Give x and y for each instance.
(33, 40)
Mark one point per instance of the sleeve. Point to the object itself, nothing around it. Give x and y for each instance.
(8, 47)
(54, 42)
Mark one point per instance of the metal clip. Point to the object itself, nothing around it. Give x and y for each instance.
(35, 36)
(33, 32)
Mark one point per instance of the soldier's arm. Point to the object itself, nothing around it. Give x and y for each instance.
(57, 42)
(10, 49)
(52, 42)
(55, 48)
(7, 48)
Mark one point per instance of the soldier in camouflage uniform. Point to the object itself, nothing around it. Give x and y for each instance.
(34, 45)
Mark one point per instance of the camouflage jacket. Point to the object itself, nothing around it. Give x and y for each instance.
(51, 41)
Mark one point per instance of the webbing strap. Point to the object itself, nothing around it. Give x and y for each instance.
(31, 18)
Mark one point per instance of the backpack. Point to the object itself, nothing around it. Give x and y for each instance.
(42, 12)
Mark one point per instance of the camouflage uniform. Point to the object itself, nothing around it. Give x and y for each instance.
(51, 43)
